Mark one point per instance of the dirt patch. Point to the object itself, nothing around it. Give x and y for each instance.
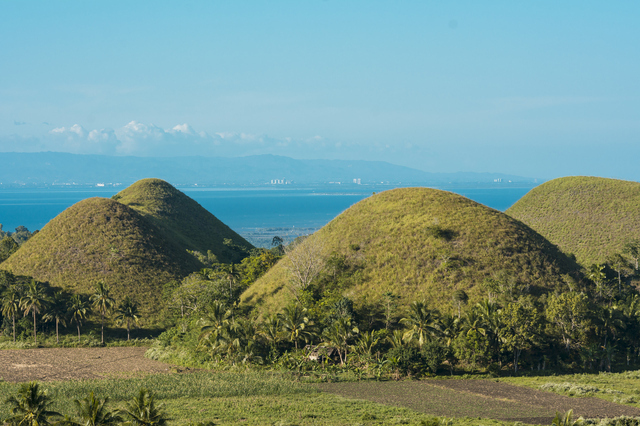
(478, 398)
(24, 365)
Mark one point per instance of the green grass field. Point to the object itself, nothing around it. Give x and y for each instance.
(241, 397)
(621, 388)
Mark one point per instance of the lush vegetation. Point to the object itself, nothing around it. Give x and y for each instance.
(516, 311)
(183, 221)
(10, 241)
(32, 310)
(410, 282)
(590, 217)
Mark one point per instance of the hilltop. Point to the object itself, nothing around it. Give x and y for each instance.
(183, 221)
(421, 243)
(101, 239)
(589, 217)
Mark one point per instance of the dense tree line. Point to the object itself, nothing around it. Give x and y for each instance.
(592, 323)
(23, 297)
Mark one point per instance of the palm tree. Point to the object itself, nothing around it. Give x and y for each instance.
(296, 323)
(395, 339)
(449, 327)
(78, 310)
(367, 343)
(422, 323)
(232, 275)
(93, 412)
(490, 312)
(58, 311)
(339, 334)
(243, 342)
(566, 419)
(610, 320)
(142, 410)
(128, 310)
(215, 327)
(271, 331)
(103, 301)
(11, 306)
(34, 300)
(30, 407)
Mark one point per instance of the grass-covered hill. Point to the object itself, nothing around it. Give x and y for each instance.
(590, 217)
(183, 221)
(421, 243)
(101, 239)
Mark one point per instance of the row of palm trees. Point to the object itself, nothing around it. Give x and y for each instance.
(33, 407)
(485, 333)
(34, 299)
(238, 338)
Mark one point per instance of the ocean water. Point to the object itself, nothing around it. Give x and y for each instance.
(274, 211)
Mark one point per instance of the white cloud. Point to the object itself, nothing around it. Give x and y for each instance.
(76, 139)
(141, 139)
(183, 128)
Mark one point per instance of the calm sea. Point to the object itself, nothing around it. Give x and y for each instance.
(247, 211)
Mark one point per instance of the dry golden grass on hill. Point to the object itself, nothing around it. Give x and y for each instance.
(422, 243)
(135, 243)
(590, 217)
(101, 239)
(182, 220)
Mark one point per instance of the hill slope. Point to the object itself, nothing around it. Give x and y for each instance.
(183, 221)
(425, 243)
(590, 217)
(101, 239)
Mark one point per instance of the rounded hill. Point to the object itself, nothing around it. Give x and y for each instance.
(183, 221)
(589, 217)
(101, 239)
(420, 243)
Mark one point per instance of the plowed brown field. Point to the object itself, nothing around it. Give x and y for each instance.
(478, 398)
(75, 363)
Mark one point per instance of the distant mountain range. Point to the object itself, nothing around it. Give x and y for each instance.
(61, 168)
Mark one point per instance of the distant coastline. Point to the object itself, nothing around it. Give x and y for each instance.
(257, 213)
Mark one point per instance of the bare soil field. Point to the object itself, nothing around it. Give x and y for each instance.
(24, 365)
(478, 398)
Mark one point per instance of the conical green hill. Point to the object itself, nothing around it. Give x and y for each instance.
(590, 217)
(182, 219)
(101, 239)
(421, 243)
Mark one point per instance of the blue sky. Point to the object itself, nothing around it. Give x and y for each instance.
(540, 89)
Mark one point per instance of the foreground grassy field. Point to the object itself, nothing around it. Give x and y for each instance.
(250, 398)
(621, 388)
(259, 397)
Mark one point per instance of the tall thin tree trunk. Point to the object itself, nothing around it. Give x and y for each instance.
(102, 312)
(14, 327)
(128, 337)
(78, 325)
(57, 334)
(35, 336)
